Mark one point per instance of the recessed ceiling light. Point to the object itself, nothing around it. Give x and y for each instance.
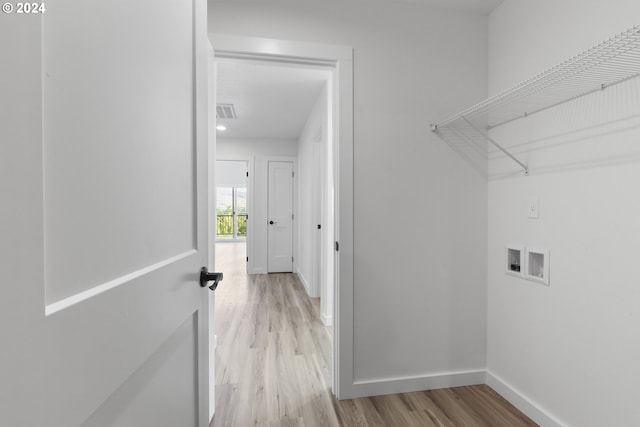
(221, 127)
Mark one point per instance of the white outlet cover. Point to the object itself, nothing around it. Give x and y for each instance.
(533, 210)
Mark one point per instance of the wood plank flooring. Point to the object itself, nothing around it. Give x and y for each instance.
(273, 365)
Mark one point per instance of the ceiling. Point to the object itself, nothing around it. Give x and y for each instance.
(271, 101)
(477, 6)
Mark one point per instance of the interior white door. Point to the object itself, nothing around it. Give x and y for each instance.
(280, 217)
(317, 205)
(103, 169)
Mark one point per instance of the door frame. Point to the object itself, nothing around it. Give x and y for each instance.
(234, 198)
(340, 60)
(211, 230)
(249, 240)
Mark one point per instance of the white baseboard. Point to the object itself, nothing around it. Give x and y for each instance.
(409, 384)
(520, 401)
(326, 319)
(453, 379)
(305, 283)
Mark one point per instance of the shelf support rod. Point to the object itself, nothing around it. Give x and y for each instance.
(498, 146)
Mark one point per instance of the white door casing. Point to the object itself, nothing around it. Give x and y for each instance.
(341, 178)
(211, 211)
(280, 217)
(104, 215)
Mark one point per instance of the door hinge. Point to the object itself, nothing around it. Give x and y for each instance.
(292, 217)
(337, 246)
(291, 259)
(247, 259)
(247, 174)
(319, 226)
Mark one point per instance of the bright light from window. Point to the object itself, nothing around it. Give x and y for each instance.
(221, 127)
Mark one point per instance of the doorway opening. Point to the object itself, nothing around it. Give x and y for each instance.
(278, 118)
(329, 219)
(231, 200)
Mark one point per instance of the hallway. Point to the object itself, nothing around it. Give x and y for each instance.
(273, 357)
(273, 365)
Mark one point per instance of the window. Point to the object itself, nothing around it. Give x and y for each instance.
(231, 213)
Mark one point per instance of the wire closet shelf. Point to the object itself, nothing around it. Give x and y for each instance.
(611, 62)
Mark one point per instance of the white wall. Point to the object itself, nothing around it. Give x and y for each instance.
(420, 211)
(257, 153)
(568, 352)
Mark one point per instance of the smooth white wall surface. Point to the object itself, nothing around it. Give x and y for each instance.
(420, 211)
(256, 152)
(569, 350)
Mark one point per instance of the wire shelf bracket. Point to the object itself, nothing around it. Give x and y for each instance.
(609, 63)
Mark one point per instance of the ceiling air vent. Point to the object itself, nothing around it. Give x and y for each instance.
(225, 111)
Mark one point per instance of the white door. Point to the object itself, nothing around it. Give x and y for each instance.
(317, 206)
(103, 167)
(280, 217)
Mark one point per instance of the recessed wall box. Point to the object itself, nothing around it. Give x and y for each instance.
(514, 257)
(537, 265)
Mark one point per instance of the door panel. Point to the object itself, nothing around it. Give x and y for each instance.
(108, 325)
(135, 401)
(115, 209)
(280, 212)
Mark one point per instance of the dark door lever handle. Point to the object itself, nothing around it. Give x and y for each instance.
(206, 277)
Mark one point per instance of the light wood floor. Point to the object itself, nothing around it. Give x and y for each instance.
(273, 365)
